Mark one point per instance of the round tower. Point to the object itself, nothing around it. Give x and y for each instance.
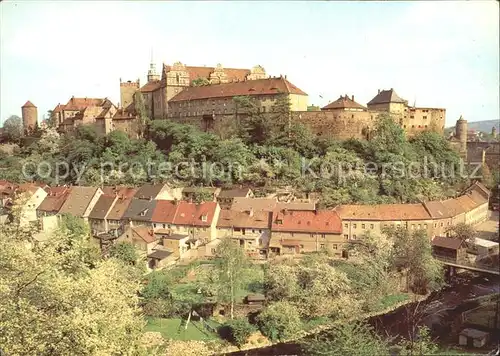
(30, 116)
(461, 133)
(494, 132)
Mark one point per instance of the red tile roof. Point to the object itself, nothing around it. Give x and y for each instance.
(466, 202)
(184, 213)
(82, 103)
(269, 86)
(384, 212)
(144, 233)
(58, 108)
(151, 86)
(55, 199)
(258, 219)
(322, 221)
(344, 102)
(28, 104)
(121, 191)
(119, 209)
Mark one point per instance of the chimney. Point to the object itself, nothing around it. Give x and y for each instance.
(250, 212)
(379, 91)
(352, 97)
(285, 211)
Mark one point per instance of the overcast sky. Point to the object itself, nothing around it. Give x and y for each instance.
(439, 54)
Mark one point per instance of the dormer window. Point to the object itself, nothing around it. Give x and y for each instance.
(204, 218)
(144, 212)
(279, 221)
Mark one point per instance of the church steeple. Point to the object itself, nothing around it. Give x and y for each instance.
(152, 74)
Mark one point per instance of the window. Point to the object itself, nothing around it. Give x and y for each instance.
(323, 236)
(425, 226)
(354, 226)
(424, 117)
(301, 246)
(346, 236)
(260, 231)
(363, 226)
(346, 225)
(412, 117)
(371, 226)
(322, 246)
(413, 226)
(354, 237)
(163, 225)
(441, 224)
(334, 246)
(253, 231)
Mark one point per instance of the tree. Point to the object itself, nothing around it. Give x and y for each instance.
(463, 231)
(124, 251)
(142, 114)
(230, 266)
(413, 252)
(279, 321)
(13, 128)
(347, 339)
(47, 308)
(420, 344)
(237, 331)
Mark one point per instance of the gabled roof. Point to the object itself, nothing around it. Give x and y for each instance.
(447, 242)
(159, 254)
(479, 188)
(234, 193)
(151, 86)
(102, 207)
(140, 210)
(385, 97)
(78, 200)
(443, 209)
(149, 191)
(184, 213)
(120, 191)
(466, 202)
(243, 219)
(58, 108)
(344, 102)
(384, 212)
(28, 104)
(322, 221)
(27, 188)
(145, 233)
(269, 86)
(256, 204)
(78, 104)
(119, 208)
(56, 196)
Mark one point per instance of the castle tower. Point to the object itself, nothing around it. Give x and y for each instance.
(30, 117)
(494, 132)
(127, 91)
(152, 74)
(461, 133)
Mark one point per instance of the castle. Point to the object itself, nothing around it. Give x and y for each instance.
(203, 96)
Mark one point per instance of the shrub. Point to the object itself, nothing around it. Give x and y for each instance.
(236, 331)
(279, 321)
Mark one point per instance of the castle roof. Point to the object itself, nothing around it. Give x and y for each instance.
(204, 72)
(151, 86)
(79, 104)
(267, 86)
(28, 104)
(386, 96)
(344, 102)
(58, 108)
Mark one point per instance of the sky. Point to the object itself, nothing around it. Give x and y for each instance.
(434, 54)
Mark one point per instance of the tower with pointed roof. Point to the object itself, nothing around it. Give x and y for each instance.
(152, 74)
(29, 116)
(389, 101)
(461, 134)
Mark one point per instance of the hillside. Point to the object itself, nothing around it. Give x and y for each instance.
(484, 125)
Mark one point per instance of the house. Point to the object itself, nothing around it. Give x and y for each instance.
(296, 231)
(449, 248)
(139, 212)
(176, 243)
(473, 338)
(250, 230)
(444, 213)
(30, 196)
(482, 247)
(115, 214)
(160, 258)
(7, 194)
(226, 196)
(81, 201)
(255, 299)
(359, 219)
(206, 194)
(142, 237)
(119, 191)
(186, 218)
(56, 196)
(158, 192)
(97, 217)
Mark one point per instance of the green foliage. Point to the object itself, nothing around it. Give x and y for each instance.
(279, 321)
(347, 339)
(13, 128)
(237, 331)
(124, 251)
(201, 81)
(463, 231)
(420, 345)
(53, 303)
